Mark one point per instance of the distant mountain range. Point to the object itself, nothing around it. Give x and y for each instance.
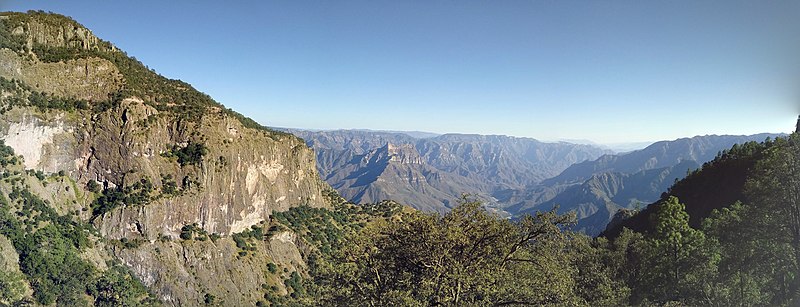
(513, 175)
(431, 173)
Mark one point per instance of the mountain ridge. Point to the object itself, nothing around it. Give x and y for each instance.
(476, 164)
(694, 148)
(519, 191)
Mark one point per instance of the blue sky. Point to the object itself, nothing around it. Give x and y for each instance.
(607, 71)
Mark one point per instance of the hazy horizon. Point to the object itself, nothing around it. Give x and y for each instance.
(618, 147)
(609, 72)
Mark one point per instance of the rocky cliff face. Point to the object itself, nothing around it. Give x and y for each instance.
(55, 31)
(797, 126)
(79, 106)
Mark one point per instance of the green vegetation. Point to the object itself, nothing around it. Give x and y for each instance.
(12, 287)
(244, 239)
(209, 299)
(294, 282)
(193, 232)
(191, 154)
(168, 185)
(319, 226)
(325, 230)
(127, 243)
(7, 156)
(466, 257)
(118, 287)
(22, 95)
(137, 194)
(93, 186)
(140, 193)
(735, 243)
(49, 247)
(272, 268)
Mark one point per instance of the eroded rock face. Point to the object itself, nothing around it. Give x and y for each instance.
(91, 79)
(184, 272)
(244, 177)
(37, 141)
(119, 139)
(57, 31)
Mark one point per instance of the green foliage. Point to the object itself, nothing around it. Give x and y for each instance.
(127, 243)
(21, 95)
(35, 210)
(209, 299)
(762, 263)
(244, 239)
(49, 247)
(168, 185)
(45, 101)
(240, 241)
(13, 42)
(192, 154)
(326, 230)
(117, 287)
(322, 227)
(193, 232)
(7, 156)
(93, 186)
(295, 283)
(747, 252)
(678, 260)
(748, 270)
(214, 237)
(39, 175)
(467, 257)
(12, 287)
(725, 176)
(470, 257)
(137, 194)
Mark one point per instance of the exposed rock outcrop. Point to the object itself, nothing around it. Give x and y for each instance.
(164, 157)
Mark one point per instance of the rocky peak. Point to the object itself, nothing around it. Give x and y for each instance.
(797, 127)
(52, 30)
(403, 154)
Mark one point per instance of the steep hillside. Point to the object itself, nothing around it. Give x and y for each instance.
(597, 199)
(718, 184)
(49, 254)
(595, 189)
(159, 159)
